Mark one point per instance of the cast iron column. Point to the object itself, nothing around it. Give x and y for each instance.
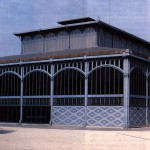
(21, 96)
(52, 92)
(126, 91)
(86, 90)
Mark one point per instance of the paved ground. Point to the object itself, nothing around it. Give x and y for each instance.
(44, 137)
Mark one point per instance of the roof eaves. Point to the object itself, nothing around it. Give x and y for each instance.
(60, 27)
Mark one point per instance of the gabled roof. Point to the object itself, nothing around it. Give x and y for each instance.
(81, 22)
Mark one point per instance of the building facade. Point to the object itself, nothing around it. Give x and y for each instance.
(84, 72)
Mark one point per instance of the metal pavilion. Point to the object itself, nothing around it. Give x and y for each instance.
(84, 72)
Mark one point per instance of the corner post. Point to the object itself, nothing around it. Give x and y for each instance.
(21, 96)
(126, 91)
(52, 92)
(86, 90)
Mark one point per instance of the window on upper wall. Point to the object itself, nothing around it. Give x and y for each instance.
(62, 41)
(76, 38)
(50, 42)
(26, 45)
(89, 38)
(38, 43)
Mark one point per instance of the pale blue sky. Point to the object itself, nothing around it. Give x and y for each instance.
(25, 15)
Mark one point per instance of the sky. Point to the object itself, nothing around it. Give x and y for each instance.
(24, 15)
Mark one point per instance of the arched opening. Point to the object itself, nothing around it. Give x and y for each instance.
(36, 102)
(69, 88)
(37, 83)
(105, 87)
(9, 98)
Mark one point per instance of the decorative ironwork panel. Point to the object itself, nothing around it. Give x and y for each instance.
(40, 67)
(139, 64)
(68, 115)
(105, 116)
(12, 69)
(70, 65)
(115, 63)
(137, 116)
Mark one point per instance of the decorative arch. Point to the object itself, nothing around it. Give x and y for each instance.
(37, 44)
(105, 79)
(50, 42)
(27, 44)
(89, 30)
(38, 37)
(27, 38)
(50, 35)
(62, 34)
(137, 67)
(76, 39)
(37, 70)
(62, 42)
(137, 81)
(69, 81)
(10, 72)
(37, 82)
(68, 68)
(75, 32)
(89, 38)
(10, 84)
(107, 65)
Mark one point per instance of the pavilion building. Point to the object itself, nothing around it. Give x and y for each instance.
(84, 72)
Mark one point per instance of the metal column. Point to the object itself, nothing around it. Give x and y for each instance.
(86, 90)
(126, 91)
(52, 92)
(21, 96)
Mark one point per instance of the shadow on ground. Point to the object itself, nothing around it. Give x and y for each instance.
(6, 131)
